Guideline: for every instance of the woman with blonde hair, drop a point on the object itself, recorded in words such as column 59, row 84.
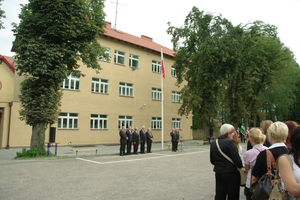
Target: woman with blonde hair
column 256, row 138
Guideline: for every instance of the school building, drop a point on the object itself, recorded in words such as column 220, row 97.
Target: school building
column 126, row 92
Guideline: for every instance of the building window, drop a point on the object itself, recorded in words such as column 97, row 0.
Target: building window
column 126, row 89
column 71, row 83
column 119, row 57
column 133, row 61
column 125, row 121
column 156, row 94
column 156, row 67
column 98, row 121
column 106, row 53
column 156, row 123
column 176, row 123
column 67, row 121
column 173, row 71
column 176, row 97
column 100, row 85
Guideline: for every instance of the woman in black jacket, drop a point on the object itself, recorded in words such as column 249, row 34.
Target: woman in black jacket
column 226, row 173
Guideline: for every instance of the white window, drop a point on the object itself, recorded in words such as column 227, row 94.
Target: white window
column 176, row 97
column 119, row 57
column 98, row 121
column 156, row 123
column 107, row 53
column 176, row 123
column 133, row 61
column 156, row 94
column 100, row 85
column 67, row 121
column 156, row 67
column 126, row 89
column 71, row 82
column 125, row 121
column 173, row 72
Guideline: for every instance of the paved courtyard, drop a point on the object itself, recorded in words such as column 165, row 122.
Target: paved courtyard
column 163, row 174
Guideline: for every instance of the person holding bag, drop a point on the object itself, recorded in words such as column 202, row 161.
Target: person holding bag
column 226, row 173
column 290, row 175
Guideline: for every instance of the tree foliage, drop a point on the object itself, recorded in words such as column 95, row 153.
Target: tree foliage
column 2, row 15
column 52, row 37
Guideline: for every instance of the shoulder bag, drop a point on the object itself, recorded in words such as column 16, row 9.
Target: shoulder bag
column 241, row 170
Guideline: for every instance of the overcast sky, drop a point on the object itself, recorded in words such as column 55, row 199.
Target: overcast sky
column 150, row 18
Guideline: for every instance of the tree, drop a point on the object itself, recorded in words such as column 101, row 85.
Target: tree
column 53, row 35
column 1, row 16
column 197, row 64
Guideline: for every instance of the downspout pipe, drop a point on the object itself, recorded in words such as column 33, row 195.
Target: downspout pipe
column 8, row 135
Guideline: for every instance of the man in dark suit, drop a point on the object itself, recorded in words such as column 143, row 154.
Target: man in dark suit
column 173, row 139
column 177, row 138
column 149, row 137
column 143, row 139
column 129, row 141
column 136, row 140
column 123, row 139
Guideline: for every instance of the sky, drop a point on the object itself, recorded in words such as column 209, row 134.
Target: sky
column 150, row 18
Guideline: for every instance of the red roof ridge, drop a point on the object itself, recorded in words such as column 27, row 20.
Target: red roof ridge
column 10, row 64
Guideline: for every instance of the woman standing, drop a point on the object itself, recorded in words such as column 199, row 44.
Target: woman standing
column 291, row 176
column 256, row 138
column 226, row 174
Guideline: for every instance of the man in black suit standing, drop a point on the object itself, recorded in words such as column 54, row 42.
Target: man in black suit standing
column 143, row 139
column 177, row 138
column 129, row 141
column 173, row 140
column 149, row 140
column 123, row 139
column 136, row 140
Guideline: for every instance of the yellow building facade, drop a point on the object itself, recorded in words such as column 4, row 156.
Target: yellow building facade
column 128, row 91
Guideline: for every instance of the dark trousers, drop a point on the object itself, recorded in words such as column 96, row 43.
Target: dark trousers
column 227, row 186
column 149, row 144
column 122, row 148
column 135, row 148
column 143, row 147
column 242, row 138
column 129, row 144
column 173, row 145
column 247, row 193
column 176, row 145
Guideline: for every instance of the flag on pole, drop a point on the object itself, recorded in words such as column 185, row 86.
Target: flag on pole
column 243, row 129
column 162, row 64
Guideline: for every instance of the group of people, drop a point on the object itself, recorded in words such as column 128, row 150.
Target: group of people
column 278, row 137
column 174, row 139
column 132, row 139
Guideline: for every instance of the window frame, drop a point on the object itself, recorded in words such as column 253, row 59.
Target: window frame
column 126, row 90
column 131, row 59
column 102, row 85
column 117, row 55
column 156, row 92
column 98, row 119
column 69, row 81
column 107, row 51
column 156, row 66
column 176, row 122
column 67, row 117
column 176, row 97
column 173, row 72
column 127, row 120
column 156, row 123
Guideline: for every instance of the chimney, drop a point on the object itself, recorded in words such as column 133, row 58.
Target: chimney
column 146, row 38
column 108, row 25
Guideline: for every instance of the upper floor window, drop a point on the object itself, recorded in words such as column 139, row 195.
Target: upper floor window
column 107, row 53
column 173, row 71
column 98, row 121
column 176, row 123
column 67, row 121
column 100, row 85
column 133, row 61
column 125, row 121
column 119, row 57
column 126, row 89
column 156, row 66
column 71, row 82
column 176, row 97
column 156, row 94
column 156, row 123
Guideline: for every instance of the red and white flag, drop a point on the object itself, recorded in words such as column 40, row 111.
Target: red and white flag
column 162, row 65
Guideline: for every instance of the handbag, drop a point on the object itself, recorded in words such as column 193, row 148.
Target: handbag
column 263, row 187
column 241, row 170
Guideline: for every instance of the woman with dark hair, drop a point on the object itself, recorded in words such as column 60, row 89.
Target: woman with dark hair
column 291, row 125
column 226, row 174
column 291, row 175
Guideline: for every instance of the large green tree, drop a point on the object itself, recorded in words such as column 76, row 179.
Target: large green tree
column 52, row 36
column 1, row 16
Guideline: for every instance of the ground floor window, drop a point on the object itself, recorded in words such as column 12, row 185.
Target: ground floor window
column 125, row 121
column 68, row 121
column 156, row 123
column 98, row 121
column 176, row 123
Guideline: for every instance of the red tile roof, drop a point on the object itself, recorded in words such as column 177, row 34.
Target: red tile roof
column 143, row 41
column 9, row 61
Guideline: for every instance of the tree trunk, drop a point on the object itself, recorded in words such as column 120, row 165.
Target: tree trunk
column 206, row 129
column 38, row 136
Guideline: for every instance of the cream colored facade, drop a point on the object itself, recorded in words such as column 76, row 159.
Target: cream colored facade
column 140, row 107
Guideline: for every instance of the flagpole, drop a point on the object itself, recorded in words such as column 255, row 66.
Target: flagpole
column 162, row 101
